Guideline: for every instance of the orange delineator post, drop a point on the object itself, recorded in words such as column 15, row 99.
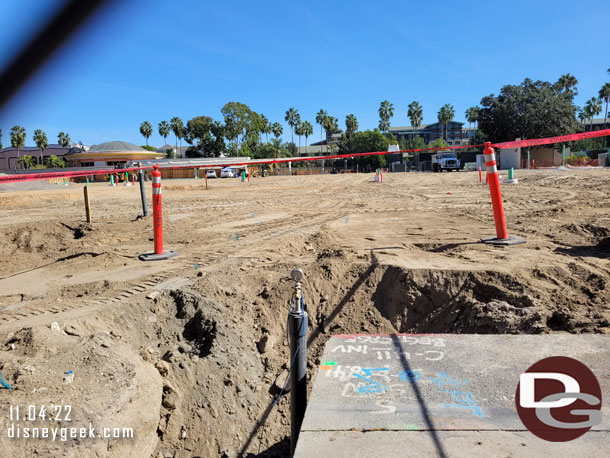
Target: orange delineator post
column 480, row 175
column 157, row 210
column 494, row 190
column 158, row 254
column 502, row 237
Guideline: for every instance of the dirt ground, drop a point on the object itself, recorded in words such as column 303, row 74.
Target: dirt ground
column 191, row 352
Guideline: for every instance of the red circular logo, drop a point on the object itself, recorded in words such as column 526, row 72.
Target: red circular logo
column 559, row 399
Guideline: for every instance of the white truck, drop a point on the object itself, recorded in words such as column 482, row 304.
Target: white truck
column 445, row 161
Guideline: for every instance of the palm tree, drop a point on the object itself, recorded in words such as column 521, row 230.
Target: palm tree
column 583, row 115
column 292, row 117
column 0, row 138
column 178, row 129
column 567, row 82
column 416, row 114
column 63, row 139
column 40, row 138
column 17, row 138
column 351, row 125
column 472, row 115
column 593, row 107
column 265, row 126
column 298, row 130
column 331, row 124
column 164, row 130
column 386, row 111
column 445, row 116
column 307, row 130
column 604, row 95
column 320, row 117
column 146, row 130
column 277, row 129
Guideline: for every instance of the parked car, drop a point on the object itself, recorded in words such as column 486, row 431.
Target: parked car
column 227, row 173
column 211, row 174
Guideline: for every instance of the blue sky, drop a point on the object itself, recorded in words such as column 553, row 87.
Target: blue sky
column 152, row 60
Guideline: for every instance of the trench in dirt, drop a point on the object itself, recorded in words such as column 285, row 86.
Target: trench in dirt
column 241, row 335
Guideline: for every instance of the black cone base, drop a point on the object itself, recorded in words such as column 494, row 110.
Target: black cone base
column 158, row 257
column 511, row 240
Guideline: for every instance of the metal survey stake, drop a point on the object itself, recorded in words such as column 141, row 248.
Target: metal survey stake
column 297, row 330
column 143, row 192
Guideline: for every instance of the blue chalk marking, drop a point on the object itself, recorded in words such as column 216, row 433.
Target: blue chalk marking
column 464, row 400
column 252, row 214
column 373, row 387
column 346, row 219
column 4, row 382
column 410, row 376
column 195, row 266
column 236, row 236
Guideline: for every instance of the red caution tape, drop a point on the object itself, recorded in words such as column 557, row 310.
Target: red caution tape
column 549, row 140
column 72, row 174
column 515, row 144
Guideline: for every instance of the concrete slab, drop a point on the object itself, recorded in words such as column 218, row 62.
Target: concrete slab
column 439, row 395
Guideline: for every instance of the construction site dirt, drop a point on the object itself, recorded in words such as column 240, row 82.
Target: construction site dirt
column 190, row 353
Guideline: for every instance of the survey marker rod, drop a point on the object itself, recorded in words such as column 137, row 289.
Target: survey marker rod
column 87, row 206
column 297, row 330
column 143, row 192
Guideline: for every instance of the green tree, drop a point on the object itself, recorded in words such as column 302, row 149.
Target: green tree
column 604, row 95
column 386, row 111
column 568, row 84
column 593, row 107
column 445, row 116
column 40, row 138
column 307, row 130
column 53, row 162
column 472, row 114
column 178, row 129
column 416, row 114
column 351, row 125
column 26, row 162
column 292, row 118
column 367, row 141
column 438, row 143
column 63, row 138
column 240, row 122
column 146, row 130
column 17, row 138
column 164, row 130
column 529, row 110
column 277, row 130
column 415, row 143
column 320, row 117
column 198, row 129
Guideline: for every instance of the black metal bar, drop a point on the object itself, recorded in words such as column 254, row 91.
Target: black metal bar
column 56, row 32
column 143, row 193
column 297, row 328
